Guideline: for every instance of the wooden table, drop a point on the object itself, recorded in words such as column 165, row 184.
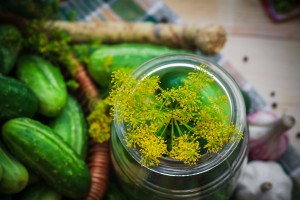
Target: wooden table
column 267, row 54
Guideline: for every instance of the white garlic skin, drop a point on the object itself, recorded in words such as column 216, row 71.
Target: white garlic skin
column 263, row 180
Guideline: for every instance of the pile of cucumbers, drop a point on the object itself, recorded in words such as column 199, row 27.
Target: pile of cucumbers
column 43, row 139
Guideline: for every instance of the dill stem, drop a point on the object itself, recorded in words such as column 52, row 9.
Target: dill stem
column 178, row 128
column 164, row 130
column 172, row 131
column 162, row 105
column 187, row 126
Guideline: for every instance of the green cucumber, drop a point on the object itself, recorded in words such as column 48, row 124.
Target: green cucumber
column 114, row 192
column 1, row 172
column 33, row 178
column 10, row 45
column 176, row 78
column 70, row 125
column 41, row 191
column 173, row 79
column 43, row 151
column 5, row 196
column 46, row 81
column 16, row 99
column 109, row 58
column 15, row 174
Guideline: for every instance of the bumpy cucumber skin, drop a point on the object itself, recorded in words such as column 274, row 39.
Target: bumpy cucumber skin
column 15, row 175
column 46, row 81
column 10, row 45
column 128, row 56
column 43, row 151
column 41, row 191
column 16, row 99
column 70, row 125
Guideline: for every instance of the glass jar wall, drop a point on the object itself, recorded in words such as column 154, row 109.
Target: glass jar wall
column 214, row 176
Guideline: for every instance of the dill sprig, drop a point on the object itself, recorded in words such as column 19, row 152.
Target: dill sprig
column 53, row 44
column 180, row 123
column 99, row 122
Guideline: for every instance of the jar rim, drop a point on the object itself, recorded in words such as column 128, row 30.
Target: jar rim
column 232, row 92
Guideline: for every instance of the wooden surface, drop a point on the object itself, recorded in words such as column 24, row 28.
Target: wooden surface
column 272, row 49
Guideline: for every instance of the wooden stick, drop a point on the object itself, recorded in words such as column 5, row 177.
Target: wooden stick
column 209, row 39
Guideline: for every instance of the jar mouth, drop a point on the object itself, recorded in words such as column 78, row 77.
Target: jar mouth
column 232, row 91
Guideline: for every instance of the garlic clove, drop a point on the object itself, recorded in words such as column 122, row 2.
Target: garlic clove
column 262, row 118
column 263, row 180
column 269, row 141
column 266, row 186
column 270, row 149
column 257, row 132
column 260, row 123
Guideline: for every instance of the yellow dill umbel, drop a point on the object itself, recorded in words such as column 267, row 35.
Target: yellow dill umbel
column 181, row 123
column 99, row 122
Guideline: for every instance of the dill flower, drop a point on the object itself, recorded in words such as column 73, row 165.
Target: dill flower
column 99, row 122
column 185, row 148
column 181, row 122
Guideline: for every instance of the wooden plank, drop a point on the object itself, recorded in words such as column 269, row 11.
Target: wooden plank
column 238, row 17
column 272, row 49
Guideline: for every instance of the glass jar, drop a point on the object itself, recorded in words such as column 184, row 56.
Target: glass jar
column 214, row 177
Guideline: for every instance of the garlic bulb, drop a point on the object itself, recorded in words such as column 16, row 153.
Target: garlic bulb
column 263, row 180
column 260, row 123
column 268, row 138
